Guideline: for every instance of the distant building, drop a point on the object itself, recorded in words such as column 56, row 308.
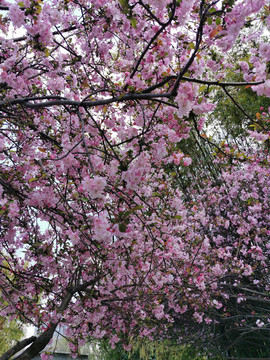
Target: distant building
column 59, row 348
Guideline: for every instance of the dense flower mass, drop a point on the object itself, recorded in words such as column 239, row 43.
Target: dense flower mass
column 97, row 231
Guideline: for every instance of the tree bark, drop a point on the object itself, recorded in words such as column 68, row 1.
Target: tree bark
column 19, row 346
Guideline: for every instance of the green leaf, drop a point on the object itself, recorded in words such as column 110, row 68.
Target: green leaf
column 133, row 22
column 38, row 9
column 47, row 52
column 209, row 21
column 122, row 227
column 125, row 5
column 202, row 88
column 218, row 20
column 138, row 207
column 125, row 214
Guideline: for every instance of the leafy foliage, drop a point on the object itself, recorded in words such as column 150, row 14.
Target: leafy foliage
column 10, row 332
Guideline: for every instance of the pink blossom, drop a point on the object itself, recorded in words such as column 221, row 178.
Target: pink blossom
column 217, row 270
column 102, row 227
column 259, row 323
column 187, row 161
column 208, row 320
column 263, row 89
column 184, row 99
column 13, row 209
column 45, row 356
column 240, row 231
column 248, row 270
column 217, row 304
column 259, row 135
column 203, row 108
column 198, row 317
column 240, row 299
column 16, row 15
column 98, row 333
column 158, row 311
column 127, row 347
column 73, row 236
column 244, row 66
column 94, row 186
column 113, row 340
column 177, row 158
column 265, row 51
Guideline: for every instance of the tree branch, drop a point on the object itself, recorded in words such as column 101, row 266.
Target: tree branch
column 25, row 101
column 163, row 27
column 199, row 81
column 16, row 348
column 237, row 105
column 144, row 95
column 199, row 36
column 11, row 190
column 39, row 343
column 22, row 38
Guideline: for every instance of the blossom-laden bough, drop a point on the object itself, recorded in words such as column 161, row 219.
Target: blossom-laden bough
column 97, row 235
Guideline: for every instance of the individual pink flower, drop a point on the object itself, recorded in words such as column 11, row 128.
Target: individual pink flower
column 240, row 231
column 264, row 51
column 177, row 158
column 13, row 209
column 101, row 227
column 244, row 66
column 158, row 311
column 127, row 347
column 73, row 236
column 98, row 333
column 198, row 317
column 259, row 323
column 203, row 108
column 217, row 304
column 45, row 356
column 187, row 161
column 217, row 271
column 184, row 99
column 248, row 270
column 16, row 15
column 95, row 186
column 262, row 89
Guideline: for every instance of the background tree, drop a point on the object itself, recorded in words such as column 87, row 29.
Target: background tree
column 9, row 334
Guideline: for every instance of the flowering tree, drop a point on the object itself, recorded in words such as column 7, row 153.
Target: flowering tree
column 96, row 233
